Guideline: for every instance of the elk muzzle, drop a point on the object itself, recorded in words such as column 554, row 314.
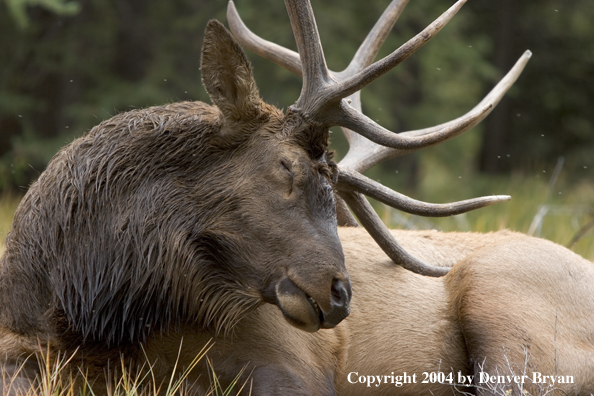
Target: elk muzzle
column 304, row 312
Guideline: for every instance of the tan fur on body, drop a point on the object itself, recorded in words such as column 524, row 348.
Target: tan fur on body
column 509, row 295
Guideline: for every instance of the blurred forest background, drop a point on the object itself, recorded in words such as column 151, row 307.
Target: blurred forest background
column 66, row 65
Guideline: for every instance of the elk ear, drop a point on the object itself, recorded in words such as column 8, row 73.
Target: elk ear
column 227, row 75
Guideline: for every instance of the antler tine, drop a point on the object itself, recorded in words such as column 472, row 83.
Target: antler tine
column 364, row 56
column 290, row 59
column 382, row 236
column 365, row 126
column 354, row 181
column 376, row 37
column 357, row 82
column 364, row 155
column 352, row 118
column 280, row 55
column 315, row 72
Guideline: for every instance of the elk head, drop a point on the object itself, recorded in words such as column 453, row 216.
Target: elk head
column 333, row 99
column 283, row 173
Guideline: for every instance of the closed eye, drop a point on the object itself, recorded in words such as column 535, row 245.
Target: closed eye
column 289, row 168
column 287, row 165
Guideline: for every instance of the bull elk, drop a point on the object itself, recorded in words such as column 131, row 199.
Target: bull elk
column 152, row 231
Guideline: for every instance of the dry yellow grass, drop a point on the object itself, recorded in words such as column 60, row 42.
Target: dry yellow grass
column 57, row 378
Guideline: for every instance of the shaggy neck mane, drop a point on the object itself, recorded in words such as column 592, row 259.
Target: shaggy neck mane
column 116, row 233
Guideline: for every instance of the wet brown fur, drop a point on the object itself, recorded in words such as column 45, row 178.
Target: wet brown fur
column 169, row 218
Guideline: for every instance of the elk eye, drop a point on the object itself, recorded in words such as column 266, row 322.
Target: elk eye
column 289, row 168
column 287, row 165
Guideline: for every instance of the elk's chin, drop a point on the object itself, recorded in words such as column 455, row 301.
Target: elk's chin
column 299, row 309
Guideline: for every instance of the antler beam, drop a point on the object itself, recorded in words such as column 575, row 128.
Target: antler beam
column 316, row 76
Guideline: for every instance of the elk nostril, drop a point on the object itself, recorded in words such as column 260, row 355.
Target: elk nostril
column 341, row 295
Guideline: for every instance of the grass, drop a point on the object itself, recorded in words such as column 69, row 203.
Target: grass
column 541, row 205
column 57, row 378
column 570, row 225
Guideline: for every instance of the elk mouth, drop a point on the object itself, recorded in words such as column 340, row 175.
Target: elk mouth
column 316, row 309
column 304, row 312
column 298, row 308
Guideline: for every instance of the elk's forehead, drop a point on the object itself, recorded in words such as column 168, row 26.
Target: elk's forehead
column 277, row 147
column 292, row 151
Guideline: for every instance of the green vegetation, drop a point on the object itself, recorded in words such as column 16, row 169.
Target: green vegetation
column 563, row 214
column 8, row 204
column 18, row 9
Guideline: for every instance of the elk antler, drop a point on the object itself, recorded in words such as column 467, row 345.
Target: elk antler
column 333, row 98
